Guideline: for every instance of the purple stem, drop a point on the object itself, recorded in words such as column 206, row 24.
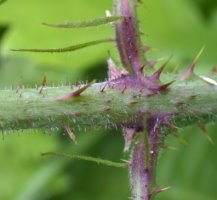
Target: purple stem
column 140, row 176
column 142, row 171
column 128, row 37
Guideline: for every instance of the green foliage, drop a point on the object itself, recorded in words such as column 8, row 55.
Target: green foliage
column 52, row 180
column 172, row 35
column 2, row 1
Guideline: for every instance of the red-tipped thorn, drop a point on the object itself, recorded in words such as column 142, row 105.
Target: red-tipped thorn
column 74, row 94
column 156, row 75
column 43, row 84
column 190, row 70
column 165, row 86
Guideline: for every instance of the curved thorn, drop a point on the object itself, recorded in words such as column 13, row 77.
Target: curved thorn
column 74, row 94
column 190, row 70
column 165, row 86
column 157, row 74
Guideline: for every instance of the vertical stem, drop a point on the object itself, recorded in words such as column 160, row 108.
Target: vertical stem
column 140, row 175
column 144, row 157
column 128, row 37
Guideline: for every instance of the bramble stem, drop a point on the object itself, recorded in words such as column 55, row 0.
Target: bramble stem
column 22, row 108
column 128, row 37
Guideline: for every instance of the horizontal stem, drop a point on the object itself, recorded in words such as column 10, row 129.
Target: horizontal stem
column 22, row 108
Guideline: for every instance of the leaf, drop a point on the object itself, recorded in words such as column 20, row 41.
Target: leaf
column 88, row 23
column 66, row 49
column 2, row 1
column 87, row 158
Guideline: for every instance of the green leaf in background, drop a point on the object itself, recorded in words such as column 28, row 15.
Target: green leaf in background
column 2, row 1
column 26, row 30
column 190, row 170
column 175, row 27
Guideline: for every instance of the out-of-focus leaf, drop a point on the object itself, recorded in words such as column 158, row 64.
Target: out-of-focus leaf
column 2, row 1
column 191, row 170
column 27, row 31
column 175, row 27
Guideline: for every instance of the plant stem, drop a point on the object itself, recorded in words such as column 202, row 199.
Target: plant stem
column 25, row 108
column 128, row 37
column 144, row 157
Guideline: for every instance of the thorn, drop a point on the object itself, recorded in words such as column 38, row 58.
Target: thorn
column 148, row 48
column 175, row 69
column 43, row 84
column 179, row 103
column 159, row 190
column 125, row 87
column 108, row 101
column 190, row 70
column 168, row 147
column 129, row 133
column 108, row 13
column 180, row 139
column 202, row 127
column 71, row 134
column 154, row 62
column 75, row 113
column 132, row 103
column 165, row 86
column 113, row 72
column 214, row 70
column 157, row 74
column 176, row 127
column 77, row 83
column 106, row 109
column 74, row 94
column 103, row 89
column 140, row 1
column 208, row 80
column 193, row 97
column 142, row 68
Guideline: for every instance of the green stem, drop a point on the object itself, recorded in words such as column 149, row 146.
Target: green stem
column 21, row 108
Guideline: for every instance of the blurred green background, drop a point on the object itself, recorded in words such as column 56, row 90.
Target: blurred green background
column 180, row 27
